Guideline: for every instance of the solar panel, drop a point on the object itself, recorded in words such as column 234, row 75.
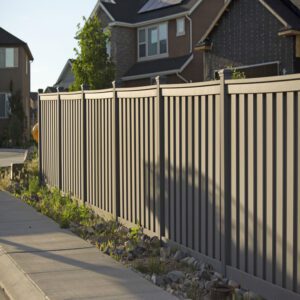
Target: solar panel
column 158, row 4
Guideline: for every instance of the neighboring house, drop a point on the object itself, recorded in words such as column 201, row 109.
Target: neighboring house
column 66, row 78
column 156, row 37
column 33, row 108
column 15, row 57
column 259, row 37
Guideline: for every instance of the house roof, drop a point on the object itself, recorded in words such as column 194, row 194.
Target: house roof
column 152, row 68
column 65, row 69
column 7, row 39
column 286, row 11
column 127, row 11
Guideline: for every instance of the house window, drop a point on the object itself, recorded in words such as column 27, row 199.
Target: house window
column 8, row 57
column 4, row 105
column 180, row 26
column 153, row 41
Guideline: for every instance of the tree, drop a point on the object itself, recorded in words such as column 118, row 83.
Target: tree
column 16, row 120
column 92, row 65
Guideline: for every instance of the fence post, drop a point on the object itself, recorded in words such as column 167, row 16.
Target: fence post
column 40, row 138
column 59, row 141
column 116, row 162
column 84, row 145
column 225, row 151
column 161, row 215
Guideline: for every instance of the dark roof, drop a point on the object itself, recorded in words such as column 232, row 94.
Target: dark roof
column 128, row 10
column 7, row 39
column 50, row 89
column 288, row 10
column 33, row 96
column 150, row 68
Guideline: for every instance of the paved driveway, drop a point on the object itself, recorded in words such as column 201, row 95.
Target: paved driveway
column 9, row 156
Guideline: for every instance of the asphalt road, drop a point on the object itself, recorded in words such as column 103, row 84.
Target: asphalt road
column 7, row 157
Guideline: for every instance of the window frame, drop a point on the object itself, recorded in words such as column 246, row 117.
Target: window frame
column 158, row 55
column 15, row 58
column 180, row 33
column 7, row 107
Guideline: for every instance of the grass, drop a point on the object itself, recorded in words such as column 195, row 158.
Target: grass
column 151, row 265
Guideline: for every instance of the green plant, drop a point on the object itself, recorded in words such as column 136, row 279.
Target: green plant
column 16, row 120
column 34, row 185
column 236, row 74
column 152, row 265
column 135, row 233
column 92, row 65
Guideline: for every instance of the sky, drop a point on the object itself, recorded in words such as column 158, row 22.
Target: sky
column 48, row 27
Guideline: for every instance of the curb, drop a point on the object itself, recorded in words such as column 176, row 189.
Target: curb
column 15, row 282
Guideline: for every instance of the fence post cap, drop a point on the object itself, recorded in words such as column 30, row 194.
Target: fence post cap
column 157, row 79
column 226, row 73
column 113, row 84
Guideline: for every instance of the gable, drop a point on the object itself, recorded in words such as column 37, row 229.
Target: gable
column 247, row 34
column 286, row 12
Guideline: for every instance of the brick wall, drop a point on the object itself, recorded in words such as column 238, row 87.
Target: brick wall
column 248, row 34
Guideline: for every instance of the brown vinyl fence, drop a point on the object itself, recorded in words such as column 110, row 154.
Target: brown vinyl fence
column 212, row 167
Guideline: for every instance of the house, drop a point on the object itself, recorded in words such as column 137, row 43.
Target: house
column 257, row 37
column 156, row 37
column 15, row 57
column 66, row 78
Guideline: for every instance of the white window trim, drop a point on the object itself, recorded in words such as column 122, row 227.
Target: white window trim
column 7, row 108
column 152, row 57
column 178, row 33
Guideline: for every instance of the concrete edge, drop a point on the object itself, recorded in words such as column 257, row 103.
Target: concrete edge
column 13, row 150
column 15, row 282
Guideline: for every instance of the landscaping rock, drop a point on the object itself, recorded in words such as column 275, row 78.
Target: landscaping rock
column 130, row 256
column 204, row 275
column 155, row 242
column 138, row 251
column 179, row 255
column 233, row 284
column 218, row 276
column 165, row 253
column 100, row 227
column 90, row 230
column 123, row 229
column 210, row 284
column 157, row 280
column 175, row 276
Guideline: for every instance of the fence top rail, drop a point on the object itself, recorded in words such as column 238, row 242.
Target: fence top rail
column 190, row 85
column 87, row 92
column 48, row 97
column 264, row 79
column 140, row 88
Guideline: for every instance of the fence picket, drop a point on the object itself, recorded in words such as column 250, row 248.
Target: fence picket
column 211, row 166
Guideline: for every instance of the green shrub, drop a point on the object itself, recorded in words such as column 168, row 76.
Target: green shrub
column 34, row 185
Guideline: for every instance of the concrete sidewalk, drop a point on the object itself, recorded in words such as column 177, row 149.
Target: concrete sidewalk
column 12, row 156
column 39, row 260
